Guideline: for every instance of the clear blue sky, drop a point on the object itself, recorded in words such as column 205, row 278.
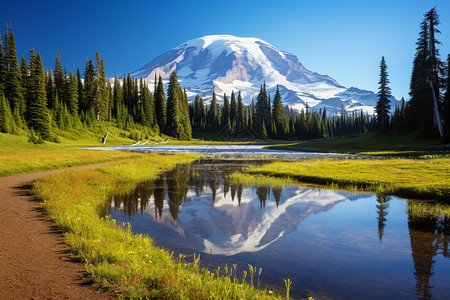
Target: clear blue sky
column 343, row 39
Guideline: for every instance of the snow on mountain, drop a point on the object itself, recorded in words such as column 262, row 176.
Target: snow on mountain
column 227, row 63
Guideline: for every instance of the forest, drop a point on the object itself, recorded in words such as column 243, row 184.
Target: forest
column 43, row 103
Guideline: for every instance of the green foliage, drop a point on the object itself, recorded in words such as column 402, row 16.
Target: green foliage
column 35, row 138
column 6, row 119
column 38, row 114
column 384, row 93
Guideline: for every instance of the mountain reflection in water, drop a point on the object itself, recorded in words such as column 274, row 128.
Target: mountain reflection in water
column 332, row 244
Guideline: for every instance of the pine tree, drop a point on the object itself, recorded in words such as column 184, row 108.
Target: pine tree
column 174, row 107
column 38, row 115
column 148, row 106
column 233, row 110
column 225, row 116
column 2, row 68
column 89, row 87
column 240, row 112
column 446, row 103
column 72, row 95
column 278, row 115
column 212, row 112
column 81, row 97
column 425, row 78
column 101, row 98
column 185, row 120
column 12, row 77
column 384, row 93
column 160, row 105
column 6, row 118
column 60, row 82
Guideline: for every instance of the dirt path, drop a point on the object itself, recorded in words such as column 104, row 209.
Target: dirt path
column 35, row 263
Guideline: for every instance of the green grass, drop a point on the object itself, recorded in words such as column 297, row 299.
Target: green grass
column 372, row 143
column 413, row 178
column 17, row 155
column 260, row 180
column 128, row 264
column 423, row 209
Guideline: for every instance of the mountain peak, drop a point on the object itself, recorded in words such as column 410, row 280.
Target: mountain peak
column 226, row 63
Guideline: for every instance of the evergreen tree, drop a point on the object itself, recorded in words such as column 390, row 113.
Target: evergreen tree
column 60, row 82
column 89, row 87
column 384, row 93
column 148, row 118
column 212, row 112
column 38, row 115
column 72, row 95
column 262, row 109
column 6, row 118
column 185, row 120
column 175, row 107
column 160, row 104
column 425, row 76
column 12, row 77
column 446, row 103
column 233, row 109
column 278, row 115
column 101, row 98
column 24, row 78
column 225, row 116
column 240, row 112
column 2, row 68
column 81, row 97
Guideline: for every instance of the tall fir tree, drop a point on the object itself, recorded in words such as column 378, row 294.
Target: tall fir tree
column 101, row 99
column 38, row 114
column 212, row 112
column 175, row 107
column 72, row 95
column 6, row 118
column 240, row 112
column 12, row 77
column 89, row 87
column 225, row 116
column 278, row 115
column 446, row 103
column 60, row 82
column 384, row 93
column 160, row 104
column 233, row 109
column 425, row 78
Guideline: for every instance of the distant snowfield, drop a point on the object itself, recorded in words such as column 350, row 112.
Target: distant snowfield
column 227, row 149
column 226, row 63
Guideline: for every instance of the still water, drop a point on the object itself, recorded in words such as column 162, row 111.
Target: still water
column 331, row 244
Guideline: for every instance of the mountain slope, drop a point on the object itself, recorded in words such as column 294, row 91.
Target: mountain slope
column 226, row 63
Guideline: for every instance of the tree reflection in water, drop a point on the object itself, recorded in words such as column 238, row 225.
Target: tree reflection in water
column 429, row 236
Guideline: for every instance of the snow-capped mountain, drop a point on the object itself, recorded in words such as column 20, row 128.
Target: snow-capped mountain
column 227, row 63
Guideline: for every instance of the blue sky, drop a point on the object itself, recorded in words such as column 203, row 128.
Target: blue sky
column 343, row 39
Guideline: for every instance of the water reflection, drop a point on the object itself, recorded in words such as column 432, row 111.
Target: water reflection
column 429, row 238
column 220, row 216
column 332, row 244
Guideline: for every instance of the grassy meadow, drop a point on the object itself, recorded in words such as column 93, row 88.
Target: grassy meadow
column 372, row 143
column 128, row 264
column 412, row 178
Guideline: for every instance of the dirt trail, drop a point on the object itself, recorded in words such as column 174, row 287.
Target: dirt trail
column 35, row 262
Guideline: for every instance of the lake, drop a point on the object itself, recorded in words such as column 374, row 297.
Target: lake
column 332, row 244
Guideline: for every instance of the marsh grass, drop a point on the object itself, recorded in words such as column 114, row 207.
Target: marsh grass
column 412, row 178
column 126, row 263
column 423, row 209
